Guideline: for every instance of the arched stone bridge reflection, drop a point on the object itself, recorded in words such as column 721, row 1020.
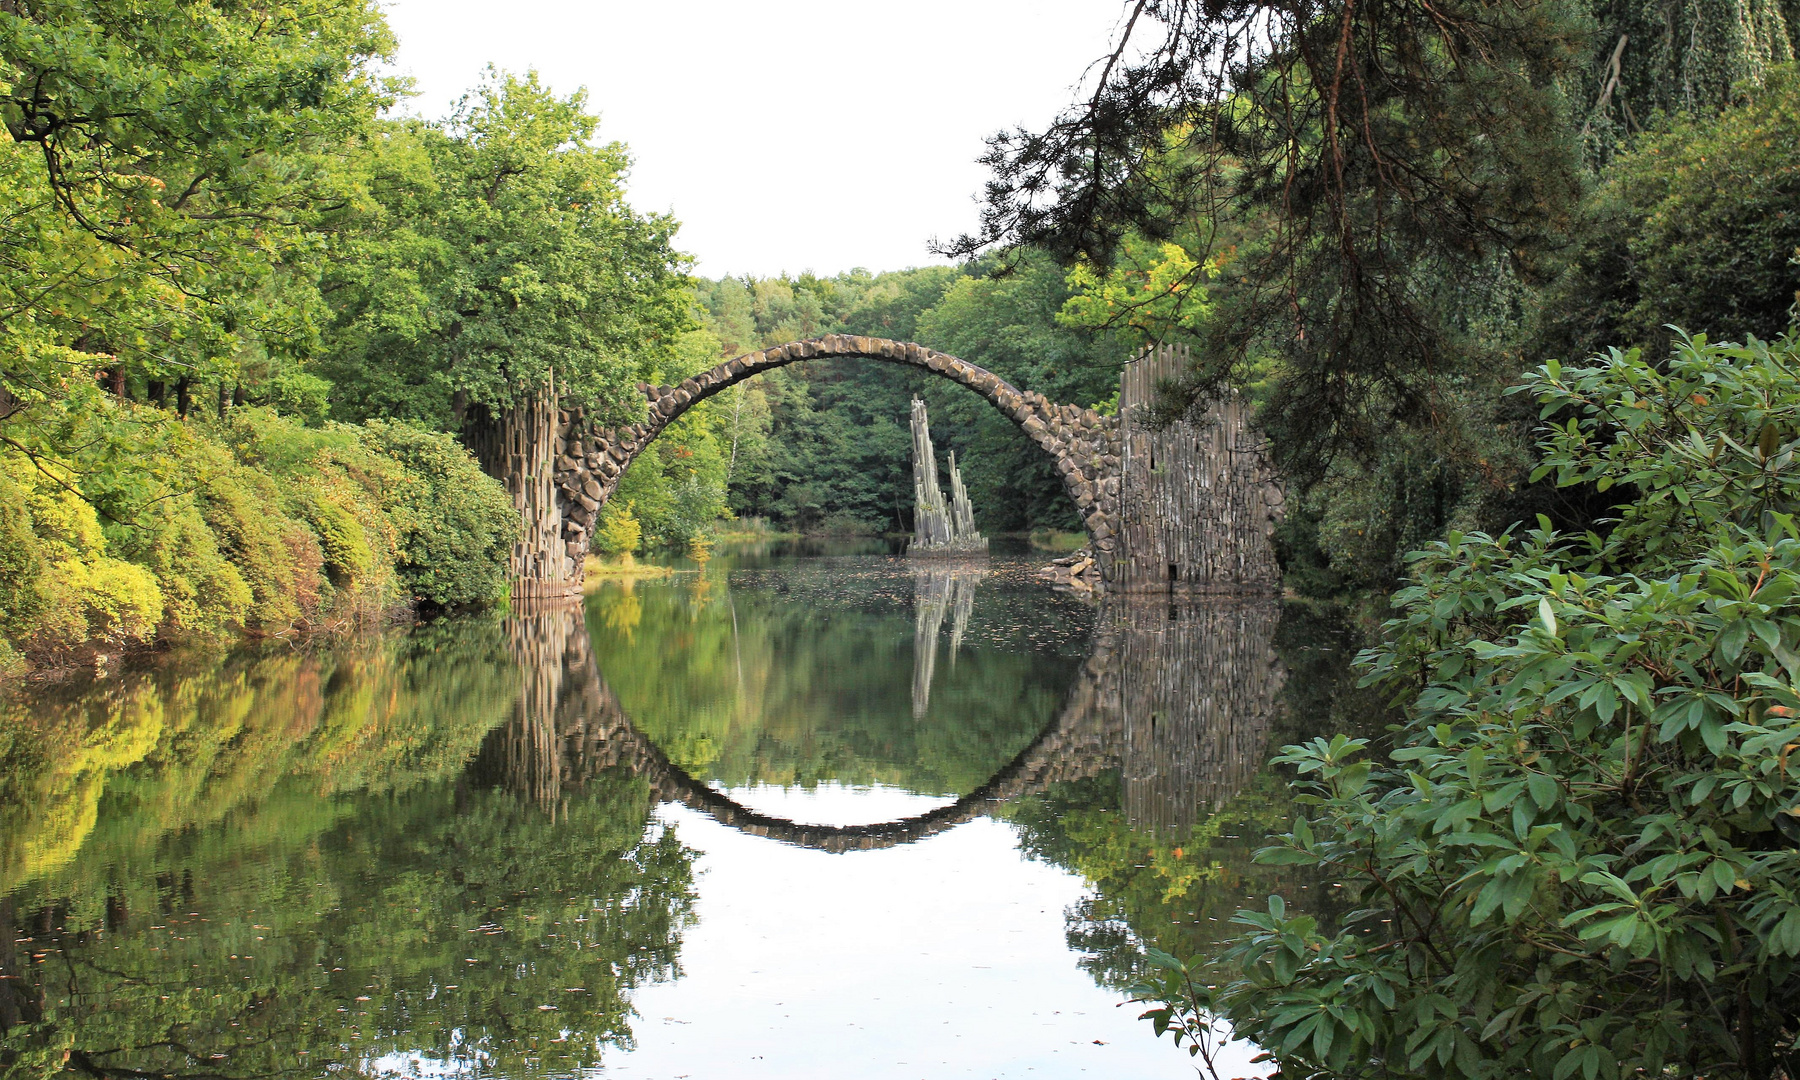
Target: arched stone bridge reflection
column 1180, row 699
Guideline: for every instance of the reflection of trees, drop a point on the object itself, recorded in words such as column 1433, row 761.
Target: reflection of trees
column 750, row 684
column 279, row 887
column 283, row 866
column 186, row 744
column 938, row 591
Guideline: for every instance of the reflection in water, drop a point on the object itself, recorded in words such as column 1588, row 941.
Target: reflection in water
column 279, row 870
column 556, row 737
column 570, row 724
column 801, row 673
column 187, row 745
column 1200, row 684
column 1165, row 840
column 938, row 591
column 1179, row 700
column 439, row 852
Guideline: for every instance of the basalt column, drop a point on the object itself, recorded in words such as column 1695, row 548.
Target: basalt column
column 940, row 527
column 1199, row 500
column 518, row 447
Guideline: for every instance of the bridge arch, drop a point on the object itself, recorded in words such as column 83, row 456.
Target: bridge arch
column 1080, row 741
column 1083, row 444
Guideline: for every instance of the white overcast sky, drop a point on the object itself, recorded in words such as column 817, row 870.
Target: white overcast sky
column 785, row 135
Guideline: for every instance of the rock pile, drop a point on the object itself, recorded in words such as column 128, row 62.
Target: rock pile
column 1078, row 571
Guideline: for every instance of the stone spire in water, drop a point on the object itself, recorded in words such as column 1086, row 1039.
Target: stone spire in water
column 938, row 528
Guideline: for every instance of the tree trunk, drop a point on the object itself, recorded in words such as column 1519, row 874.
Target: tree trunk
column 184, row 398
column 519, row 447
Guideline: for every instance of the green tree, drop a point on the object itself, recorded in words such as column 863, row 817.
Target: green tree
column 500, row 254
column 1388, row 164
column 505, row 280
column 1697, row 224
column 159, row 172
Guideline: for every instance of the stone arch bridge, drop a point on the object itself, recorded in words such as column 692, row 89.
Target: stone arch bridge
column 1084, row 445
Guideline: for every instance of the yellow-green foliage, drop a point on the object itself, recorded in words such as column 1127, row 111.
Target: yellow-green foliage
column 348, row 560
column 79, row 593
column 453, row 526
column 202, row 591
column 257, row 524
column 210, row 736
column 329, row 478
column 278, row 557
column 619, row 532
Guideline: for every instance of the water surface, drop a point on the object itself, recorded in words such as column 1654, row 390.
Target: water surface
column 815, row 813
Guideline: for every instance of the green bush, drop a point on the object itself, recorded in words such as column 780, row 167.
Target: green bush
column 203, row 593
column 278, row 558
column 79, row 592
column 1583, row 855
column 1697, row 225
column 455, row 524
column 256, row 523
column 302, row 396
column 620, row 532
column 21, row 563
column 328, row 480
column 349, row 561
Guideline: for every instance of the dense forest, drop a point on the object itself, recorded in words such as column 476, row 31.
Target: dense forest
column 249, row 319
column 248, row 323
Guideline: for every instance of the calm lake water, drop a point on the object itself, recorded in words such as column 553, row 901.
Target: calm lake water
column 809, row 812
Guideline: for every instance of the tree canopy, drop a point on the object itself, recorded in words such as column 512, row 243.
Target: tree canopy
column 497, row 255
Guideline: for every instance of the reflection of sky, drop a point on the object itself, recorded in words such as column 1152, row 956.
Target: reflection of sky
column 940, row 958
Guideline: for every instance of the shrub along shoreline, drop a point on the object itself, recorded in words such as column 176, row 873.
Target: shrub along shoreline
column 250, row 525
column 1578, row 853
